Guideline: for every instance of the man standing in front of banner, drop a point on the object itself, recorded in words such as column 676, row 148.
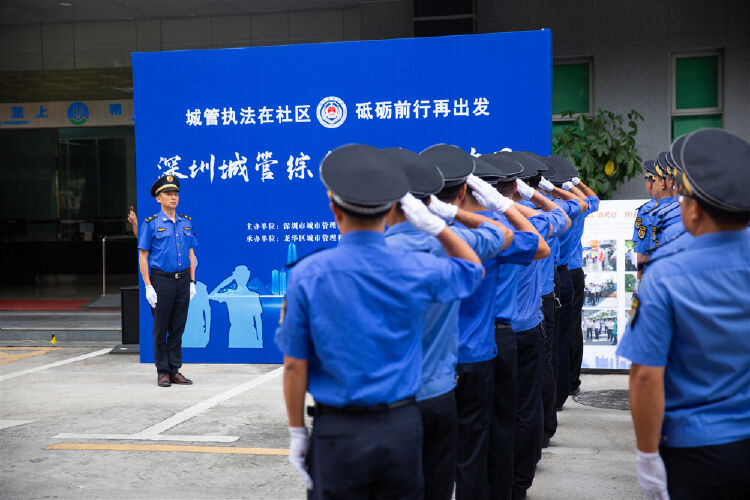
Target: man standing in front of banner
column 688, row 334
column 166, row 247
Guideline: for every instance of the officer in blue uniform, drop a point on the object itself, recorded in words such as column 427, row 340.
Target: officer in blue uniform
column 477, row 349
column 550, row 221
column 668, row 214
column 503, row 308
column 167, row 261
column 664, row 195
column 351, row 331
column 572, row 206
column 688, row 334
column 649, row 175
column 435, row 397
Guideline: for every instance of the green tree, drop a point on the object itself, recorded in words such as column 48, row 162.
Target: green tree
column 602, row 149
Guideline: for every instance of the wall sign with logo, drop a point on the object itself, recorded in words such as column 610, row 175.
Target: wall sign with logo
column 66, row 114
column 245, row 131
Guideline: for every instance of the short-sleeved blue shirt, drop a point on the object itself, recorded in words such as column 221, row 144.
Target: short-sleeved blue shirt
column 476, row 326
column 356, row 314
column 575, row 257
column 693, row 318
column 168, row 243
column 440, row 335
column 643, row 209
column 665, row 219
column 649, row 219
column 529, row 312
column 571, row 209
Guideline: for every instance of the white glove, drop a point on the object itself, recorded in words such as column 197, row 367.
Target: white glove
column 487, row 196
column 442, row 209
column 192, row 290
column 151, row 295
column 546, row 185
column 299, row 443
column 417, row 213
column 575, row 181
column 508, row 150
column 524, row 189
column 567, row 186
column 652, row 476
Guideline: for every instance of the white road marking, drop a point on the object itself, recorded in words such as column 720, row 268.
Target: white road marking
column 154, row 433
column 55, row 364
column 4, row 424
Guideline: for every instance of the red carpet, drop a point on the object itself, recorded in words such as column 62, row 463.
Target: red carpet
column 41, row 305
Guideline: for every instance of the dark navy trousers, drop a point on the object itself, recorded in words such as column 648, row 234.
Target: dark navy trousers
column 474, row 404
column 367, row 456
column 564, row 291
column 528, row 414
column 576, row 334
column 170, row 314
column 503, row 422
column 549, row 384
column 440, row 431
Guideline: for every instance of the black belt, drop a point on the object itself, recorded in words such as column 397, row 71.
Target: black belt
column 562, row 268
column 177, row 275
column 321, row 409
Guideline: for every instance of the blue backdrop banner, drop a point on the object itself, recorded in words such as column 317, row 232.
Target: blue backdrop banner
column 245, row 130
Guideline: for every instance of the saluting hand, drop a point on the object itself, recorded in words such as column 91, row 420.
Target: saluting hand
column 299, row 443
column 524, row 189
column 151, row 295
column 488, row 196
column 546, row 185
column 417, row 213
column 442, row 209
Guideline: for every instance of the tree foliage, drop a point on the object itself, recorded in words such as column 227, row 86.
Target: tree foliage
column 602, row 149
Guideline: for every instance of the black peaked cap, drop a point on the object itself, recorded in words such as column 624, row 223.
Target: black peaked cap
column 363, row 179
column 507, row 166
column 649, row 168
column 558, row 172
column 486, row 170
column 424, row 176
column 676, row 146
column 454, row 163
column 165, row 183
column 716, row 169
column 531, row 162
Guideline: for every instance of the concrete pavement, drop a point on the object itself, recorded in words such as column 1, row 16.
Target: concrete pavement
column 76, row 422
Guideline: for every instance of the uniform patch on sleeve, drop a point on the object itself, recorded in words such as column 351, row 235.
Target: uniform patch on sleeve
column 634, row 309
column 641, row 231
column 638, row 221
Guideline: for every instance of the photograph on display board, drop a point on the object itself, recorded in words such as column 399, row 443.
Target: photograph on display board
column 599, row 327
column 600, row 255
column 600, row 290
column 631, row 258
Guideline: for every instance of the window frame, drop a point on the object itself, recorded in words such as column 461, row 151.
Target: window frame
column 561, row 61
column 719, row 108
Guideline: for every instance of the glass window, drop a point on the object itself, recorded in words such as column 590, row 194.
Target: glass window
column 696, row 92
column 571, row 88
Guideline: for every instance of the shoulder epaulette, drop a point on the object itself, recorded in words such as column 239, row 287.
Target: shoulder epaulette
column 663, row 255
column 292, row 264
column 643, row 205
column 185, row 216
column 149, row 219
column 651, row 209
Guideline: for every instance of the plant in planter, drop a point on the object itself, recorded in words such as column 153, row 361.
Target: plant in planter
column 601, row 148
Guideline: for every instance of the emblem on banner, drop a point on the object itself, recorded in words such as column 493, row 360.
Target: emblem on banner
column 331, row 112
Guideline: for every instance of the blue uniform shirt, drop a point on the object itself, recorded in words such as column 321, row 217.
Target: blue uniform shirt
column 356, row 313
column 571, row 209
column 168, row 243
column 529, row 312
column 476, row 326
column 666, row 218
column 643, row 209
column 575, row 258
column 645, row 243
column 693, row 318
column 440, row 335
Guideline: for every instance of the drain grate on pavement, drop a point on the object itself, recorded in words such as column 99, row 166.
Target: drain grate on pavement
column 613, row 399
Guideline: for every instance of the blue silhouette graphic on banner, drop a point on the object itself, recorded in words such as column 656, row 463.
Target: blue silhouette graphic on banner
column 198, row 326
column 244, row 308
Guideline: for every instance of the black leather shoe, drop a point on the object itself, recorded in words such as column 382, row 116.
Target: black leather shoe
column 575, row 391
column 163, row 380
column 545, row 442
column 179, row 378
